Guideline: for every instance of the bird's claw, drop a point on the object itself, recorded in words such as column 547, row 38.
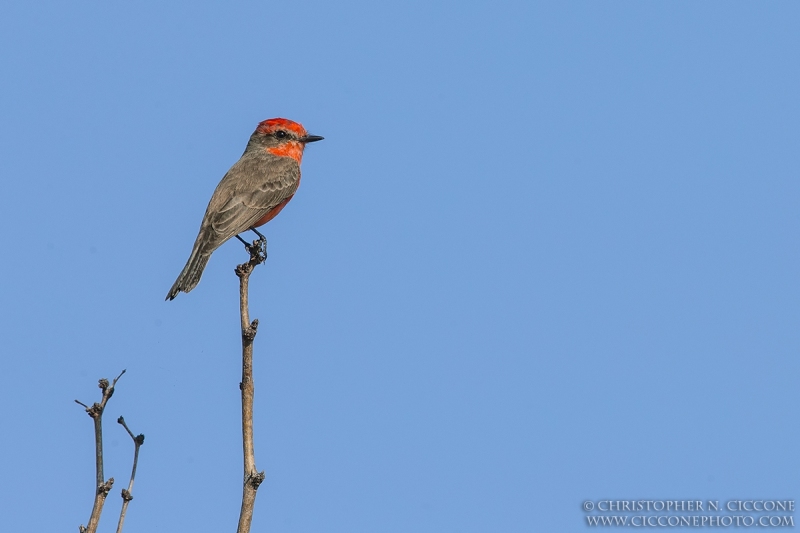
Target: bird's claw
column 259, row 248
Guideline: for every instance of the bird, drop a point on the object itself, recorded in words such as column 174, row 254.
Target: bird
column 255, row 189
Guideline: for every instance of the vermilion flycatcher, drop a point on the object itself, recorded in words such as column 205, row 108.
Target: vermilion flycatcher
column 252, row 193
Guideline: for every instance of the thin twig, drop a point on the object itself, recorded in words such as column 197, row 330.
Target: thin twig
column 252, row 478
column 138, row 440
column 103, row 487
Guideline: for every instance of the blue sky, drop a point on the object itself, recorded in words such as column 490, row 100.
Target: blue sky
column 546, row 253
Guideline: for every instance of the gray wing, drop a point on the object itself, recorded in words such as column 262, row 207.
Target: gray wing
column 252, row 187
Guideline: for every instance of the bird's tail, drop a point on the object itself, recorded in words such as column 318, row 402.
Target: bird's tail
column 190, row 275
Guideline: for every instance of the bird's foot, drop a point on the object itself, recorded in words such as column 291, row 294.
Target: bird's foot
column 257, row 250
column 261, row 245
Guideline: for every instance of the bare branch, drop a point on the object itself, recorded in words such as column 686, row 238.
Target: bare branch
column 95, row 411
column 252, row 478
column 138, row 440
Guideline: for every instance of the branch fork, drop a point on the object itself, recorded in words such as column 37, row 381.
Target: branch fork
column 95, row 411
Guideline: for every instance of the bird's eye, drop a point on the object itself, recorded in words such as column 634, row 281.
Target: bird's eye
column 280, row 134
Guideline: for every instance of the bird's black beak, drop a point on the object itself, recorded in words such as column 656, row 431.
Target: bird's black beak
column 311, row 139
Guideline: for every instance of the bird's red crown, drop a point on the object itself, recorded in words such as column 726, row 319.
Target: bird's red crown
column 271, row 125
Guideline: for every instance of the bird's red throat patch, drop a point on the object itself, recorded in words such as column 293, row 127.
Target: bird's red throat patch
column 293, row 149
